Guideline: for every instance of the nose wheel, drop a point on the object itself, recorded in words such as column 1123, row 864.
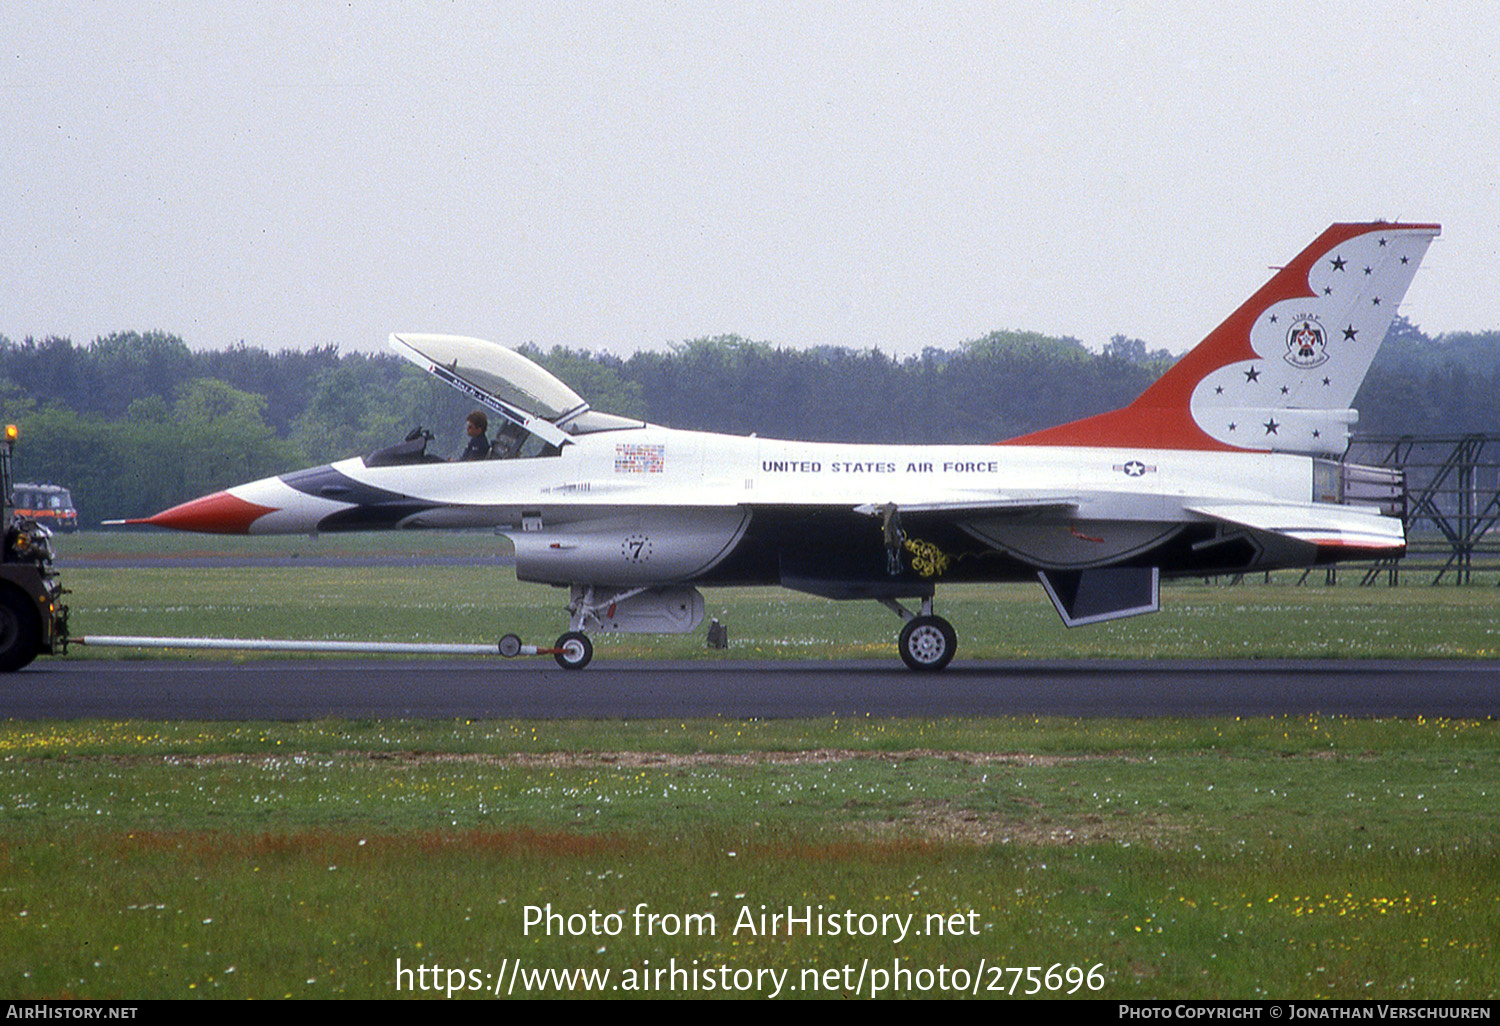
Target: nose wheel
column 573, row 650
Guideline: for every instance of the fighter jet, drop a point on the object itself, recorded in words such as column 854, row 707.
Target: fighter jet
column 1229, row 463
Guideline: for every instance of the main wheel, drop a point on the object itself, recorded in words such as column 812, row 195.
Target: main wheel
column 19, row 628
column 574, row 650
column 928, row 643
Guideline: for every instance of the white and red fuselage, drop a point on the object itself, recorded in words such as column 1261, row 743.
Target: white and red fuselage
column 1229, row 463
column 690, row 498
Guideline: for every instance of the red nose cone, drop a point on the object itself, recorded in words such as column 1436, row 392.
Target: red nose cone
column 219, row 513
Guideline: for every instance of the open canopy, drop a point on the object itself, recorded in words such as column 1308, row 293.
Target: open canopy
column 509, row 383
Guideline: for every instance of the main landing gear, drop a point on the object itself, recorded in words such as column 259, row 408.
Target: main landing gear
column 927, row 642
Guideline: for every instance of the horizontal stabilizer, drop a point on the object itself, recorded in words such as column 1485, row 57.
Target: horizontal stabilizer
column 1109, row 593
column 1321, row 524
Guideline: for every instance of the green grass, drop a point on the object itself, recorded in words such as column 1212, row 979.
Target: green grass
column 1281, row 857
column 1309, row 857
column 479, row 603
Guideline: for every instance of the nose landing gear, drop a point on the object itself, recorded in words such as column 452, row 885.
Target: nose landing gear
column 573, row 650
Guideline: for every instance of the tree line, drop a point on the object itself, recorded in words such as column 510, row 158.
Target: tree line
column 133, row 423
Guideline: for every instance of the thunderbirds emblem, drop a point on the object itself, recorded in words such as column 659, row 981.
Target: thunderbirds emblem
column 1306, row 344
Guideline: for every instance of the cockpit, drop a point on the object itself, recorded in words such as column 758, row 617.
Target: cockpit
column 533, row 414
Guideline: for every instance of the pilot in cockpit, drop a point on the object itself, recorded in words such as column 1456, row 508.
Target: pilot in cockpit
column 479, row 446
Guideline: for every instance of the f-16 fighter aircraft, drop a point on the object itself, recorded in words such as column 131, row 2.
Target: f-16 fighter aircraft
column 1227, row 464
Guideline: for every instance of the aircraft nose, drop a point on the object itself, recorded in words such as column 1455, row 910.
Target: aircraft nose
column 219, row 513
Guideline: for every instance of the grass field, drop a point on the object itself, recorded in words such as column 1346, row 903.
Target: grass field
column 1281, row 857
column 478, row 603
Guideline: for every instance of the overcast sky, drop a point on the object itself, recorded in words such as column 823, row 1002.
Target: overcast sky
column 626, row 175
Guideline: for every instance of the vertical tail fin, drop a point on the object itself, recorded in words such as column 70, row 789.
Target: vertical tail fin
column 1280, row 372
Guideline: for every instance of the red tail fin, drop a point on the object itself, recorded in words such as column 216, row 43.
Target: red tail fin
column 1280, row 372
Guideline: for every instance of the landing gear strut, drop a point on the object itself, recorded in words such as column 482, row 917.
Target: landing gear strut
column 927, row 642
column 648, row 609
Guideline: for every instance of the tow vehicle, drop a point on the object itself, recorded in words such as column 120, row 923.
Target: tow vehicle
column 33, row 619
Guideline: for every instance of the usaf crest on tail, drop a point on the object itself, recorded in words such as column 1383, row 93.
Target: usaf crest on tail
column 1306, row 344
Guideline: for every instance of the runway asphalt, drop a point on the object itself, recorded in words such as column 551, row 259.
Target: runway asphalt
column 538, row 689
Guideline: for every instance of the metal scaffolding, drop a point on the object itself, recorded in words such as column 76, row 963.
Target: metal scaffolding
column 1452, row 504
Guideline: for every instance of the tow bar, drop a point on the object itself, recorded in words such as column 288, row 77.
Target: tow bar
column 509, row 646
